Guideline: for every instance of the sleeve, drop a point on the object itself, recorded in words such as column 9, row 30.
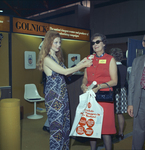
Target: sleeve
column 131, row 84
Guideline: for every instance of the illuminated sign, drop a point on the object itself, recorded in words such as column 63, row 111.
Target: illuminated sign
column 29, row 27
column 40, row 28
column 71, row 33
column 4, row 23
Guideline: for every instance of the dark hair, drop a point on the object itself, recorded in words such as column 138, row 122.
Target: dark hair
column 117, row 54
column 103, row 37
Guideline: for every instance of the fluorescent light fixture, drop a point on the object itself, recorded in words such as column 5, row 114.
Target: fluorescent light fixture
column 1, row 10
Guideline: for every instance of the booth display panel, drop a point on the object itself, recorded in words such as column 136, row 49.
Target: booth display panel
column 26, row 35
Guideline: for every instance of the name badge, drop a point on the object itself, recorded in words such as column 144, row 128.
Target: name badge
column 102, row 61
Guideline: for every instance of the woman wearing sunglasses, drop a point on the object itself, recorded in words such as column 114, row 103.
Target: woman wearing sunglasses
column 103, row 70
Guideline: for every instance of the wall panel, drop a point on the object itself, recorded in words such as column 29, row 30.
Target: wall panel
column 20, row 75
column 4, row 60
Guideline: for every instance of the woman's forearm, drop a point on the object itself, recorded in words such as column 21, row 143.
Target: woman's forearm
column 110, row 83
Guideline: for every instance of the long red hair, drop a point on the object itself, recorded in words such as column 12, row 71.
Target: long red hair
column 45, row 49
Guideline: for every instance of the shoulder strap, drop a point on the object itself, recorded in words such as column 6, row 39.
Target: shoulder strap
column 107, row 85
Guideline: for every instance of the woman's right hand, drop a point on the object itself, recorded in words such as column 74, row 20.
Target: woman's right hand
column 84, row 88
column 85, row 62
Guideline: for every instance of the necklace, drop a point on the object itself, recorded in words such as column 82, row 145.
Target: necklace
column 100, row 55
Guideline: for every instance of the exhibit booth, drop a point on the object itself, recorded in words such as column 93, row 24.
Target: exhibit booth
column 19, row 42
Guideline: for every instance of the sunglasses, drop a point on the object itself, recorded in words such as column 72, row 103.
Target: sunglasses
column 97, row 42
column 143, row 40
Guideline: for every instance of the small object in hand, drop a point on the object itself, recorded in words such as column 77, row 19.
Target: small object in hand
column 91, row 57
column 92, row 85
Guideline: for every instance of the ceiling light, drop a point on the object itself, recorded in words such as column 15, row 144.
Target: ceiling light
column 1, row 10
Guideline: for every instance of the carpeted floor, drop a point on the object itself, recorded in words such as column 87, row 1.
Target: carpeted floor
column 34, row 138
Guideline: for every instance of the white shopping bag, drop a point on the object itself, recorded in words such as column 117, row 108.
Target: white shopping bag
column 88, row 118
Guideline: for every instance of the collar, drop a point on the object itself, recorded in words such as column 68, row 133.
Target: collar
column 100, row 55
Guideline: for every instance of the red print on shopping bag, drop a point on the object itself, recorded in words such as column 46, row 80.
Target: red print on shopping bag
column 89, row 105
column 80, row 130
column 88, row 118
column 90, row 123
column 89, row 131
column 84, row 122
